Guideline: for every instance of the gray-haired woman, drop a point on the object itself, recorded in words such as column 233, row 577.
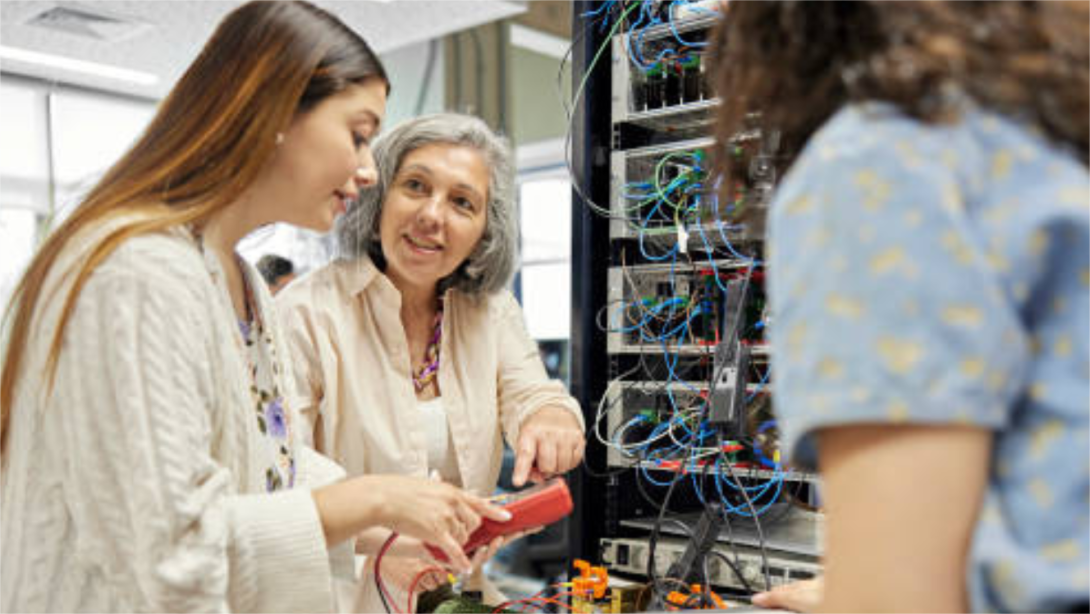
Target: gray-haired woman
column 411, row 355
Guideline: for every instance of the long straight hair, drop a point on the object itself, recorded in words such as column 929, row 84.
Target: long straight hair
column 213, row 134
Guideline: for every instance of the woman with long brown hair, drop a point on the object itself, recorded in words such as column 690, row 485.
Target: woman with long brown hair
column 928, row 268
column 149, row 460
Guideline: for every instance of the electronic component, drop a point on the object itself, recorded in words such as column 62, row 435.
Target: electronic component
column 702, row 541
column 631, row 412
column 797, row 532
column 728, row 396
column 651, row 57
column 782, row 567
column 692, row 75
column 731, row 364
column 589, row 587
column 633, row 598
column 656, row 308
column 536, row 506
column 656, row 189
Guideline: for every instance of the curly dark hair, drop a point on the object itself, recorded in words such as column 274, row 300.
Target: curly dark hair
column 797, row 63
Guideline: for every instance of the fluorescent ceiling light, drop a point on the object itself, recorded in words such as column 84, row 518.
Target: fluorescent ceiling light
column 538, row 41
column 81, row 66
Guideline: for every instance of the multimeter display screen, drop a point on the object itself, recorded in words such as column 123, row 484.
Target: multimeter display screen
column 510, row 497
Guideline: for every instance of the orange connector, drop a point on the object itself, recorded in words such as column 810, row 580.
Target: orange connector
column 680, row 599
column 591, row 579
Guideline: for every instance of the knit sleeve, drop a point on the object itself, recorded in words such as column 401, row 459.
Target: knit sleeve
column 523, row 385
column 315, row 471
column 305, row 389
column 155, row 511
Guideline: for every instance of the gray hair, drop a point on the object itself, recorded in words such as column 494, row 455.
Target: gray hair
column 491, row 265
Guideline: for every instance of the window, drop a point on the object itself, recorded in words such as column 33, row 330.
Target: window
column 91, row 131
column 80, row 133
column 546, row 256
column 24, row 158
column 24, row 177
column 19, row 229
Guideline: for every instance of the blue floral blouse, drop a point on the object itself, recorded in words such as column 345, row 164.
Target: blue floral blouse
column 269, row 411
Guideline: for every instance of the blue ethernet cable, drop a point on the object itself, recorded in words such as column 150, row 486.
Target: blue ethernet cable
column 760, row 384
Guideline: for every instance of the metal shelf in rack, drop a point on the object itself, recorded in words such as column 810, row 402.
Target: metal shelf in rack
column 789, row 475
column 678, row 118
column 760, row 352
column 679, row 386
column 656, row 150
column 681, row 26
column 696, row 143
column 674, row 268
column 699, row 238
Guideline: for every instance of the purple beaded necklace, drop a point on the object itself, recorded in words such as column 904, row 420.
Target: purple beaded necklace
column 428, row 371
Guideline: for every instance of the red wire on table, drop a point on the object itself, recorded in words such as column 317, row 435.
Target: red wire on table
column 378, row 574
column 416, row 580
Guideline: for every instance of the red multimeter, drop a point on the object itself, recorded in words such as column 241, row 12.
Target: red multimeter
column 533, row 507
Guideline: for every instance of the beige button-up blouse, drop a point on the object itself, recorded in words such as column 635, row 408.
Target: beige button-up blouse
column 354, row 383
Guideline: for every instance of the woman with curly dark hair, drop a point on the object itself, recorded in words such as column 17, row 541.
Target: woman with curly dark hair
column 929, row 264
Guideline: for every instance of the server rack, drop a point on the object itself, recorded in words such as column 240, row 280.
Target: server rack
column 636, row 131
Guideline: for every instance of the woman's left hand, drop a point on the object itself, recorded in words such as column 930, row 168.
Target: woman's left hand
column 550, row 442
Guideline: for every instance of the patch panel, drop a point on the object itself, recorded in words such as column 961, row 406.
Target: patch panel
column 631, row 555
column 662, row 66
column 666, row 308
column 663, row 195
column 654, row 402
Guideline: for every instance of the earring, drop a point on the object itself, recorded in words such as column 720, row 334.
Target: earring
column 279, row 138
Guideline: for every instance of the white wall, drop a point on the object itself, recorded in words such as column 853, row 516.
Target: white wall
column 406, row 67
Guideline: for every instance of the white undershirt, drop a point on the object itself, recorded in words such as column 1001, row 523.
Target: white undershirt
column 441, row 456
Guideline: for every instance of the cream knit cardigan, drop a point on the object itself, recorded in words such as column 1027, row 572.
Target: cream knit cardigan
column 137, row 485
